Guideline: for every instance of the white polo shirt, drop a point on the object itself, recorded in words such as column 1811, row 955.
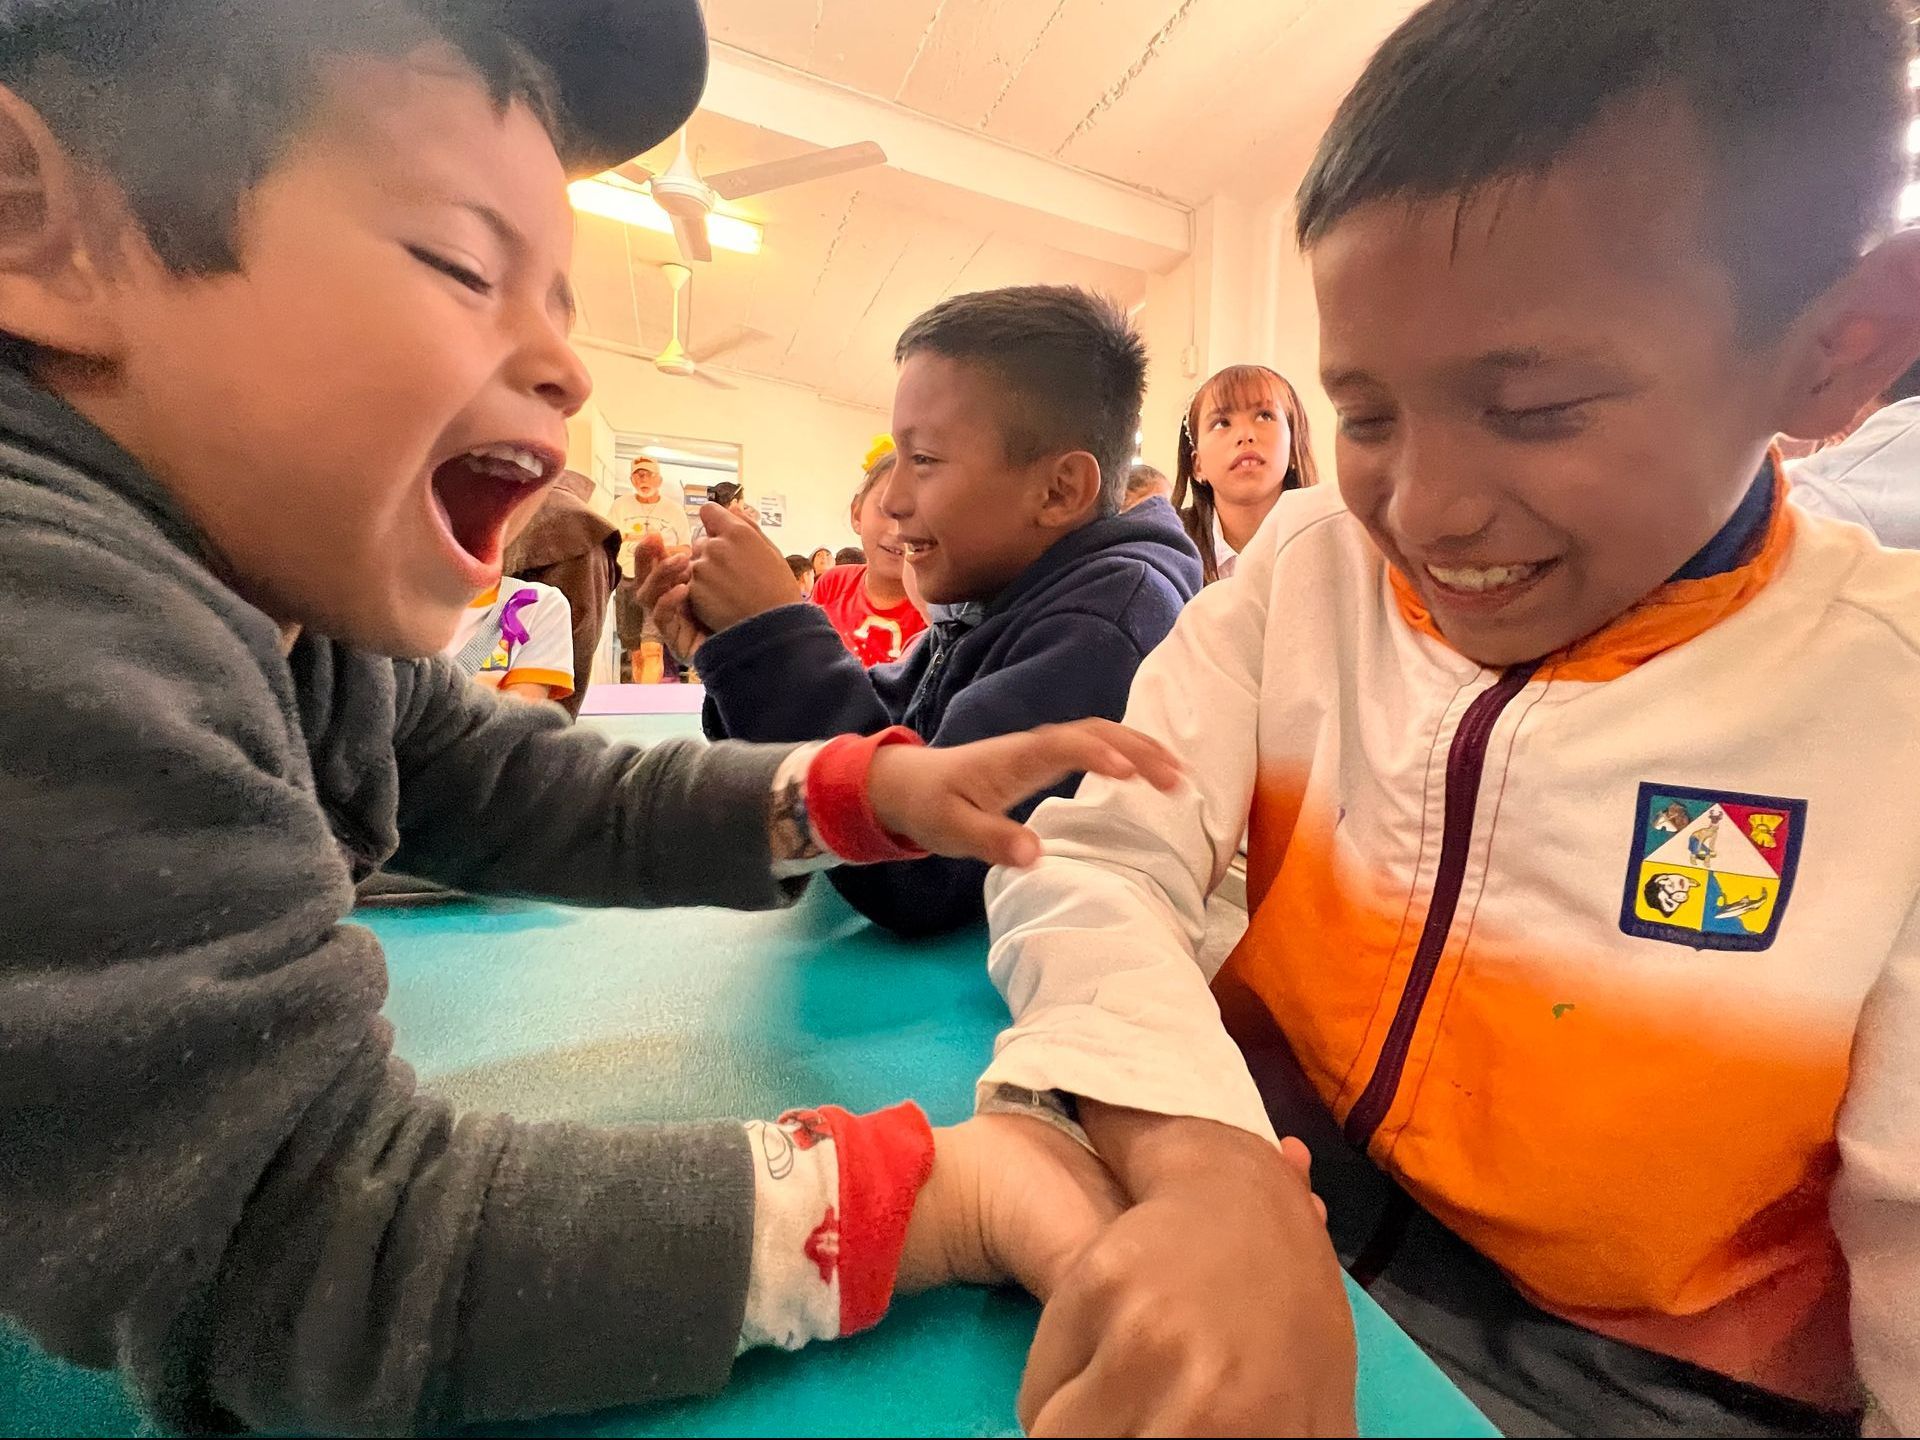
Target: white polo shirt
column 1226, row 559
column 518, row 633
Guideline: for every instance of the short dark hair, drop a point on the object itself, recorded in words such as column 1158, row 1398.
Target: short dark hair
column 850, row 555
column 1144, row 477
column 1073, row 366
column 726, row 492
column 187, row 104
column 1804, row 103
column 800, row 566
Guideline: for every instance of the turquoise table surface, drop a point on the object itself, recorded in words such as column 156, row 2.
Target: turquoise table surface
column 617, row 1016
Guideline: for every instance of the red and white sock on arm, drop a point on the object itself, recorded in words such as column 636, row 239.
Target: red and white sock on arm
column 832, row 1195
column 832, row 1192
column 821, row 813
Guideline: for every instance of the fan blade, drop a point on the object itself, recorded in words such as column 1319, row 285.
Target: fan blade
column 704, row 374
column 692, row 235
column 744, row 335
column 612, row 347
column 778, row 174
column 634, row 173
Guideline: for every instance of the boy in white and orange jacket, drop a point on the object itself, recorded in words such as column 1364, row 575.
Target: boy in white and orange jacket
column 1578, row 770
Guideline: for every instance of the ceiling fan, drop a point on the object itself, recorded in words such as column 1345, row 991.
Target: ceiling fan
column 689, row 198
column 676, row 359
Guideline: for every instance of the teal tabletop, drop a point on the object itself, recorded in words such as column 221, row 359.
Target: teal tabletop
column 616, row 1016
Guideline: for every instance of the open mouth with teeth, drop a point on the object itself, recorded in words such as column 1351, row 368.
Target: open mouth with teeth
column 477, row 493
column 1487, row 581
column 916, row 549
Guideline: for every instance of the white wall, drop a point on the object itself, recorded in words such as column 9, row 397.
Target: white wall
column 1168, row 325
column 590, row 452
column 793, row 442
column 1292, row 323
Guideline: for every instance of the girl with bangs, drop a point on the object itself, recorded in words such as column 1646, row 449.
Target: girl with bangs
column 1243, row 444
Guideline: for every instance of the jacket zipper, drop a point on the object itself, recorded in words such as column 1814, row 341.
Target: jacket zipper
column 923, row 693
column 1466, row 763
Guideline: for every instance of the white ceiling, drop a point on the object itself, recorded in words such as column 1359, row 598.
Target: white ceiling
column 1188, row 98
column 1183, row 98
column 847, row 263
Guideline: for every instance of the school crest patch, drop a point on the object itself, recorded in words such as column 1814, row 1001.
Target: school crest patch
column 1711, row 869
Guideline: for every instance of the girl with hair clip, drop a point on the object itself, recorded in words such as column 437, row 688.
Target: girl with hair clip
column 1237, row 431
column 869, row 603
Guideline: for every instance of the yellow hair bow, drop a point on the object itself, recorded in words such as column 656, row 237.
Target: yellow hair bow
column 878, row 451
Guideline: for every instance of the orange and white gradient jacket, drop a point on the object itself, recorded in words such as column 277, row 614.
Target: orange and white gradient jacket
column 1613, row 961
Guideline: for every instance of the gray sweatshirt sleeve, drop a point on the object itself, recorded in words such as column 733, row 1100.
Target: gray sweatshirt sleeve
column 214, row 1174
column 497, row 796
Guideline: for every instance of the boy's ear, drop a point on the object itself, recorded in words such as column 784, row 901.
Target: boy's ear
column 1864, row 333
column 1073, row 490
column 52, row 291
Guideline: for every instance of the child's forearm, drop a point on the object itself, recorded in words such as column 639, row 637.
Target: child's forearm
column 787, row 676
column 536, row 694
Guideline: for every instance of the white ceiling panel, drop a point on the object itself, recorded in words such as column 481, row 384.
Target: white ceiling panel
column 847, row 263
column 1185, row 99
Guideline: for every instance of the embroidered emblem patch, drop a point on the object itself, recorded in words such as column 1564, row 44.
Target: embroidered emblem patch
column 1711, row 869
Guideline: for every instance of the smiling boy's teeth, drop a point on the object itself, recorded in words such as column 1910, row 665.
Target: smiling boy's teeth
column 1481, row 578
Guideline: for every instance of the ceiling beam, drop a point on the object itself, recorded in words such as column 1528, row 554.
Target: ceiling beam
column 970, row 174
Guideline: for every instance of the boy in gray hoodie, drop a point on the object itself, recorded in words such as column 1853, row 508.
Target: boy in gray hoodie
column 283, row 350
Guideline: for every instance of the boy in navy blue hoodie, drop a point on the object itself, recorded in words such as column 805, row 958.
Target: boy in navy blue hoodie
column 1015, row 417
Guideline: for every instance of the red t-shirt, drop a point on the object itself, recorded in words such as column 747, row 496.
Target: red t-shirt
column 876, row 636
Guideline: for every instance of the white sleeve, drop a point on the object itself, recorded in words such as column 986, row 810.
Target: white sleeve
column 1095, row 948
column 1876, row 1204
column 1819, row 496
column 547, row 656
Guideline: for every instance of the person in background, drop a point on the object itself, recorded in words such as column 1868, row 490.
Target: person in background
column 1243, row 444
column 802, row 574
column 569, row 546
column 1585, row 862
column 731, row 496
column 647, row 509
column 1144, row 483
column 271, row 393
column 868, row 603
column 850, row 555
column 643, row 657
column 822, row 561
column 1015, row 413
column 516, row 636
column 1871, row 476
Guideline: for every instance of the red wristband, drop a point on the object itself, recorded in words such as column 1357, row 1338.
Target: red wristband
column 839, row 808
column 885, row 1159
